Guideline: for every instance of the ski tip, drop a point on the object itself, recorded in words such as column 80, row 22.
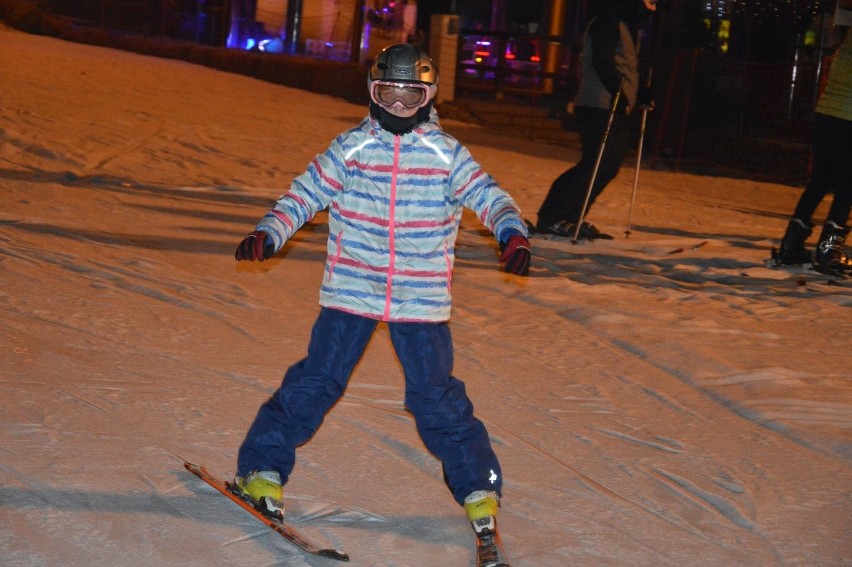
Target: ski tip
column 333, row 554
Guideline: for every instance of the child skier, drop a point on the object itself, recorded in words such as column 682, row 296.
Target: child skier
column 395, row 187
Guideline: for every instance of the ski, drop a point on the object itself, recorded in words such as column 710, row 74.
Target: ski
column 490, row 551
column 805, row 272
column 282, row 528
column 680, row 250
column 588, row 233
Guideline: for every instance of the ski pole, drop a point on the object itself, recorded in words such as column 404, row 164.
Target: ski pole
column 597, row 162
column 645, row 110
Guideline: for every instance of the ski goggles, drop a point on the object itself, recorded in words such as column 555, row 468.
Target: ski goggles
column 410, row 95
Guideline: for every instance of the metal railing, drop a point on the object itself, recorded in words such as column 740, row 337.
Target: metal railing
column 736, row 116
column 711, row 111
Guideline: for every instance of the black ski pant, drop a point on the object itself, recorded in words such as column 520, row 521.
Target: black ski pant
column 832, row 170
column 564, row 201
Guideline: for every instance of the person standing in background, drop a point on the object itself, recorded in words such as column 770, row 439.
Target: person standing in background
column 610, row 65
column 832, row 171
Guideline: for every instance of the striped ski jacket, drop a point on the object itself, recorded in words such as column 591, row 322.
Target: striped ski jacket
column 395, row 203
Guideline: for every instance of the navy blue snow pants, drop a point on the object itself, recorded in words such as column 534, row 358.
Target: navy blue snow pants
column 442, row 411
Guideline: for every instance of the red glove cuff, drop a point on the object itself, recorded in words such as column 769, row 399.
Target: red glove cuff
column 516, row 255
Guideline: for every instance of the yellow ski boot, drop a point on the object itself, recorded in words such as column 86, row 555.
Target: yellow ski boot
column 481, row 509
column 263, row 489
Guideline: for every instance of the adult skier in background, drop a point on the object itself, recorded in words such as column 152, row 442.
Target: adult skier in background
column 831, row 171
column 610, row 64
column 395, row 187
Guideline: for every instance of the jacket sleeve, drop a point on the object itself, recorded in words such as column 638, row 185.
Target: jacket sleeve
column 604, row 36
column 478, row 191
column 309, row 193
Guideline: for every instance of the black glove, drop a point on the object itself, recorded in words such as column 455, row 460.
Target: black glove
column 515, row 254
column 256, row 246
column 645, row 97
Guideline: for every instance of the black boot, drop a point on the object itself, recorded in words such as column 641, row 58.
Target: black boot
column 793, row 244
column 831, row 257
column 566, row 229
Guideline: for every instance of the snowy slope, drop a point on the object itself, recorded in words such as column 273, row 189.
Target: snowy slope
column 657, row 400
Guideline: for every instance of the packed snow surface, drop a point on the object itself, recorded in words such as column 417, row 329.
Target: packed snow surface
column 662, row 399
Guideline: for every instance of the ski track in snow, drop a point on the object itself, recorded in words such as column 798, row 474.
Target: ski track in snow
column 647, row 396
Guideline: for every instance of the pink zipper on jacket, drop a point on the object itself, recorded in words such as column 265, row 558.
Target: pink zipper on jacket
column 391, row 229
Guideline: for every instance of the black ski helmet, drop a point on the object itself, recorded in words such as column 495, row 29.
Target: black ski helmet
column 405, row 63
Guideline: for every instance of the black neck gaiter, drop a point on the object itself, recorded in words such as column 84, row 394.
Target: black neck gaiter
column 397, row 125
